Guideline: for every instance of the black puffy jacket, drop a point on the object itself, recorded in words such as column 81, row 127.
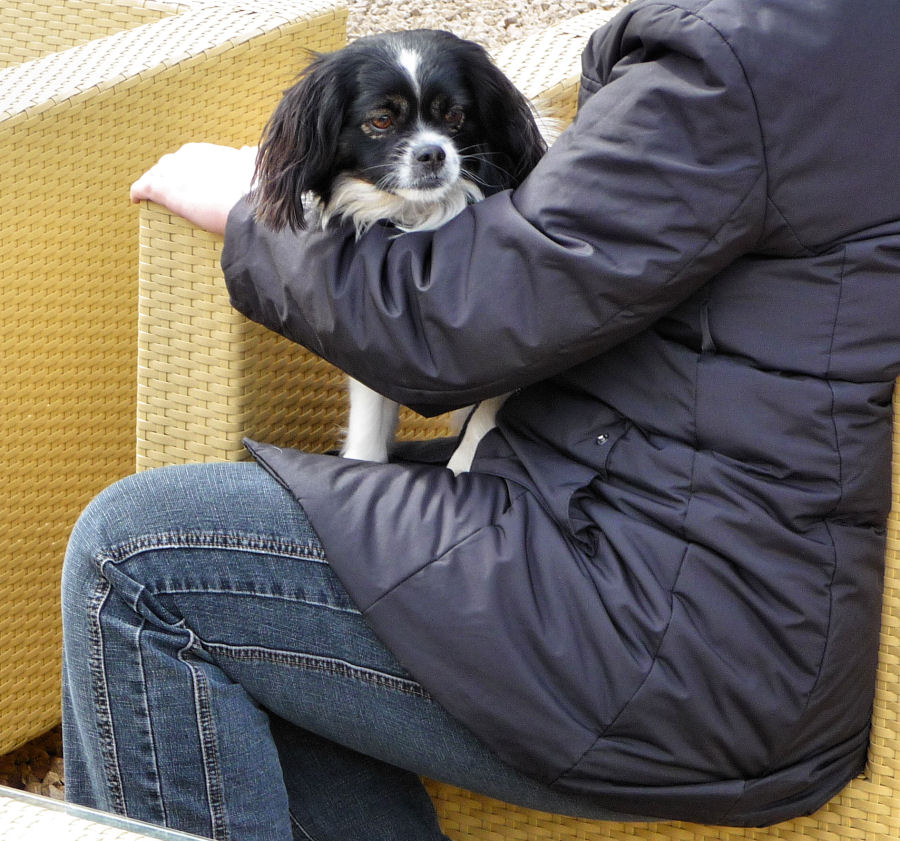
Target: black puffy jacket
column 660, row 585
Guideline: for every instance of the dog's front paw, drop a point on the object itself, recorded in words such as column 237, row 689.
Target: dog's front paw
column 376, row 454
column 461, row 460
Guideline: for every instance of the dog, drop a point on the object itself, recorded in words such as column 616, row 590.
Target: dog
column 407, row 129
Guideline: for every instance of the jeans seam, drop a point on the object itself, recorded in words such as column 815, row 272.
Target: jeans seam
column 234, row 591
column 234, row 541
column 316, row 663
column 229, row 541
column 215, row 790
column 118, row 554
column 205, row 731
column 101, row 697
column 150, row 731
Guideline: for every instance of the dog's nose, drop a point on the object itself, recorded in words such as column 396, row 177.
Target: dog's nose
column 431, row 156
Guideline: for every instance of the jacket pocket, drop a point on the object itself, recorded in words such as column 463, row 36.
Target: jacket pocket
column 584, row 498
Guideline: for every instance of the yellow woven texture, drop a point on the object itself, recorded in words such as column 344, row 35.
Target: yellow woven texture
column 30, row 29
column 207, row 377
column 547, row 66
column 76, row 128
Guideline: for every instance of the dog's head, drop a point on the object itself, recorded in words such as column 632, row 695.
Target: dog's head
column 405, row 116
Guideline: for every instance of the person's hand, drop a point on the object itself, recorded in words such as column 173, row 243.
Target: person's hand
column 201, row 182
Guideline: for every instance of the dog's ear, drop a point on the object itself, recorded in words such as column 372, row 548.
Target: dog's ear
column 516, row 144
column 299, row 145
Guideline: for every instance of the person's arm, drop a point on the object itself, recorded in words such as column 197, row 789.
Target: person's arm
column 201, row 182
column 659, row 184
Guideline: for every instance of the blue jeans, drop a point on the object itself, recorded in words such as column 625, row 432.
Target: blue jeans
column 218, row 679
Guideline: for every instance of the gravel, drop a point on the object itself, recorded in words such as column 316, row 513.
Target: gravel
column 493, row 23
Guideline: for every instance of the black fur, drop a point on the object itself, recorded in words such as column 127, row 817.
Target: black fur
column 319, row 129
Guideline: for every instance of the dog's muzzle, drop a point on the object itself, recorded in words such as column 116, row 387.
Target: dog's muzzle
column 430, row 163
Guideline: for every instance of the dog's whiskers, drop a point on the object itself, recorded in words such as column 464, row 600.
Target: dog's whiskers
column 479, row 178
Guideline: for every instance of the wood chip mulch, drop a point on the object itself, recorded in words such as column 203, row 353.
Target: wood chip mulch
column 36, row 767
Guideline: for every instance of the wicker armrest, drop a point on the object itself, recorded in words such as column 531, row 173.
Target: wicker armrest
column 137, row 57
column 546, row 66
column 77, row 126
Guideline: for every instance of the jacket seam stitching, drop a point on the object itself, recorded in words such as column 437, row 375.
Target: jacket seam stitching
column 763, row 174
column 698, row 13
column 759, row 124
column 827, row 632
column 665, row 632
column 492, row 524
column 828, row 373
column 603, row 732
column 412, row 574
column 623, row 312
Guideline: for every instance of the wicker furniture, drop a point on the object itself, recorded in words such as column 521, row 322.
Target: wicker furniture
column 90, row 92
column 206, row 377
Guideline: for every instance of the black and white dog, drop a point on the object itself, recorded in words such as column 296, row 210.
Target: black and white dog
column 406, row 128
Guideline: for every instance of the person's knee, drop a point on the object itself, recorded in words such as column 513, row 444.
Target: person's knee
column 101, row 526
column 168, row 506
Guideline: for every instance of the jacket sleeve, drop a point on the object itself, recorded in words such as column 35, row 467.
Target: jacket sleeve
column 657, row 185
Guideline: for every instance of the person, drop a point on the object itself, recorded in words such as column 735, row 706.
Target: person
column 657, row 591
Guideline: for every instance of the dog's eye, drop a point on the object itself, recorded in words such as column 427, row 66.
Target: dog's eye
column 455, row 117
column 382, row 122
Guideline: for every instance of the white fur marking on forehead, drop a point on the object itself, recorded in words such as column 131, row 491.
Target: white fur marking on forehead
column 409, row 61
